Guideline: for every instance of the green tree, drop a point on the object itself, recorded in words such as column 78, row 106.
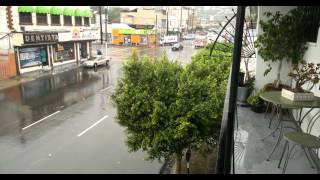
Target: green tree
column 283, row 38
column 167, row 108
column 114, row 14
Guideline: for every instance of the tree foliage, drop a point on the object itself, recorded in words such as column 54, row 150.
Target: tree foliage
column 166, row 108
column 283, row 37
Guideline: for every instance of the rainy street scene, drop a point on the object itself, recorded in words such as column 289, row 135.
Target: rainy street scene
column 159, row 90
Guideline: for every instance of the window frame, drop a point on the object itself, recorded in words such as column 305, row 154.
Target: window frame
column 86, row 19
column 76, row 19
column 64, row 21
column 39, row 17
column 52, row 16
column 23, row 18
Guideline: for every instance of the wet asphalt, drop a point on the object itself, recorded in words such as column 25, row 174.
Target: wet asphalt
column 65, row 123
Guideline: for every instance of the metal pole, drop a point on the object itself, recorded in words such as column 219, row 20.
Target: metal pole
column 226, row 143
column 156, row 29
column 167, row 20
column 100, row 25
column 106, row 24
column 181, row 24
column 188, row 20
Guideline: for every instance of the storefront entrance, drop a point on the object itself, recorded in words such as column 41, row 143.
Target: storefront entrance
column 127, row 39
column 143, row 40
column 83, row 50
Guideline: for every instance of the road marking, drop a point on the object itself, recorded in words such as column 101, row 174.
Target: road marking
column 106, row 116
column 105, row 88
column 40, row 120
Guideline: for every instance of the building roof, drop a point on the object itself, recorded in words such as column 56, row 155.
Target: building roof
column 120, row 26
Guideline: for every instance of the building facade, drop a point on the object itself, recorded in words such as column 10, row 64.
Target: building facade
column 47, row 38
column 147, row 19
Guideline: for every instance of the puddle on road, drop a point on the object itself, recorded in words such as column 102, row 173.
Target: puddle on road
column 28, row 102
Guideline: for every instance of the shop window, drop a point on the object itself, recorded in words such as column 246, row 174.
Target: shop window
column 78, row 21
column 67, row 20
column 86, row 21
column 34, row 56
column 25, row 18
column 93, row 19
column 42, row 19
column 64, row 52
column 55, row 19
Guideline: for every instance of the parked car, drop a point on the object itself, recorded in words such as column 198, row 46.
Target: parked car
column 96, row 61
column 177, row 47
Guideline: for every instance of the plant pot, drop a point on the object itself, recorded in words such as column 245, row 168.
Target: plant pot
column 271, row 87
column 243, row 94
column 258, row 108
column 297, row 96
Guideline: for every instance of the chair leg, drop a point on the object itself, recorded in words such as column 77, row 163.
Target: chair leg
column 287, row 159
column 309, row 159
column 283, row 151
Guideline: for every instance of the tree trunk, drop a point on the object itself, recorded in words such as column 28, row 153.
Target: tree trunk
column 277, row 82
column 178, row 163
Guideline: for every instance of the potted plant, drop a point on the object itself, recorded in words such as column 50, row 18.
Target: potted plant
column 256, row 104
column 302, row 73
column 245, row 86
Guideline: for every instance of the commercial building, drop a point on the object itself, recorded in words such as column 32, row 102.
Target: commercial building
column 47, row 38
column 128, row 36
column 146, row 19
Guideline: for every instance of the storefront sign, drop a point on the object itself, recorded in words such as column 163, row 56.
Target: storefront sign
column 135, row 31
column 75, row 33
column 88, row 35
column 33, row 38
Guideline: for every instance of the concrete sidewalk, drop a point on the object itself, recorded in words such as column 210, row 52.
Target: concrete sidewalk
column 7, row 83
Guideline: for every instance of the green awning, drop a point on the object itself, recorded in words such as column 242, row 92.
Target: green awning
column 68, row 11
column 56, row 10
column 42, row 9
column 79, row 12
column 26, row 9
column 87, row 13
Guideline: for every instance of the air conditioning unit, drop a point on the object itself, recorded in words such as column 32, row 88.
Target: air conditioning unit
column 23, row 29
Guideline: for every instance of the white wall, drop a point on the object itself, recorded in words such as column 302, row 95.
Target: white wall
column 313, row 55
column 261, row 66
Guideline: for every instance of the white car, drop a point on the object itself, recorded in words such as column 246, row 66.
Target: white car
column 97, row 61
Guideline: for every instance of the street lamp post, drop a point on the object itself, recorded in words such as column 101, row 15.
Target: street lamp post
column 100, row 25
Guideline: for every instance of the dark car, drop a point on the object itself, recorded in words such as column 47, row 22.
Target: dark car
column 177, row 47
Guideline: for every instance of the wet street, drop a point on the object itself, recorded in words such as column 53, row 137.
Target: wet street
column 65, row 123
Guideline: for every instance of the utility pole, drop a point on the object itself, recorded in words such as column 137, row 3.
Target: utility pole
column 181, row 24
column 106, row 28
column 100, row 25
column 167, row 20
column 192, row 20
column 106, row 23
column 156, row 29
column 188, row 20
